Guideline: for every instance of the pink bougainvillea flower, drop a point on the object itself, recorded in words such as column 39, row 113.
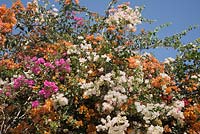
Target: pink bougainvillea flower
column 60, row 62
column 49, row 65
column 49, row 88
column 30, row 83
column 8, row 93
column 35, row 104
column 67, row 68
column 40, row 61
column 79, row 20
column 63, row 64
column 18, row 82
column 45, row 93
column 22, row 81
column 51, row 85
column 34, row 59
column 36, row 70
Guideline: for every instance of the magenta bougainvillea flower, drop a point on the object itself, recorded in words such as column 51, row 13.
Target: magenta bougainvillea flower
column 49, row 65
column 63, row 65
column 35, row 103
column 48, row 89
column 22, row 81
column 52, row 85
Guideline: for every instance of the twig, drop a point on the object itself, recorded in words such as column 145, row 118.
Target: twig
column 109, row 7
column 2, row 125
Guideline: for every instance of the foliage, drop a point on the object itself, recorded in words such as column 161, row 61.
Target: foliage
column 66, row 69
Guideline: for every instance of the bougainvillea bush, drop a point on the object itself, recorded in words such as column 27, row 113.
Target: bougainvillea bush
column 65, row 69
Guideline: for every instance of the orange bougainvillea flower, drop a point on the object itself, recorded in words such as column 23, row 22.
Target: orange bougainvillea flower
column 160, row 81
column 7, row 22
column 93, row 39
column 79, row 123
column 76, row 1
column 67, row 2
column 47, row 132
column 91, row 129
column 121, row 31
column 10, row 18
column 85, row 97
column 69, row 120
column 192, row 116
column 9, row 64
column 18, row 6
column 131, row 131
column 90, row 113
column 82, row 109
column 3, row 10
column 80, row 80
column 89, row 37
column 167, row 129
column 6, row 27
column 196, row 127
column 36, row 87
column 127, row 105
column 192, row 113
column 170, row 88
column 111, row 28
column 48, row 105
column 20, row 128
column 192, row 87
column 32, row 7
column 134, row 62
column 110, row 55
column 67, row 44
column 99, row 38
column 151, row 65
column 2, row 40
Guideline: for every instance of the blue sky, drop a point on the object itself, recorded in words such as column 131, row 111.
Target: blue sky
column 181, row 13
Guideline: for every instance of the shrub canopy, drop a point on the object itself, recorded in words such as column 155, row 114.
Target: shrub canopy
column 66, row 69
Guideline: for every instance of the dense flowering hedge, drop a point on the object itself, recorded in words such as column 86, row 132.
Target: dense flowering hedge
column 65, row 69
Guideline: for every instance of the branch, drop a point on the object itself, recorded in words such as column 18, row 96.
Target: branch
column 109, row 7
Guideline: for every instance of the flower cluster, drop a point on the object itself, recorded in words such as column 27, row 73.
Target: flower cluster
column 155, row 130
column 70, row 1
column 7, row 22
column 49, row 87
column 117, row 125
column 7, row 19
column 40, row 65
column 124, row 15
column 66, row 76
column 9, row 64
column 20, row 81
column 152, row 112
column 60, row 99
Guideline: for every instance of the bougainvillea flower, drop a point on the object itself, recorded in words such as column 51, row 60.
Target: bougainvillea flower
column 35, row 103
